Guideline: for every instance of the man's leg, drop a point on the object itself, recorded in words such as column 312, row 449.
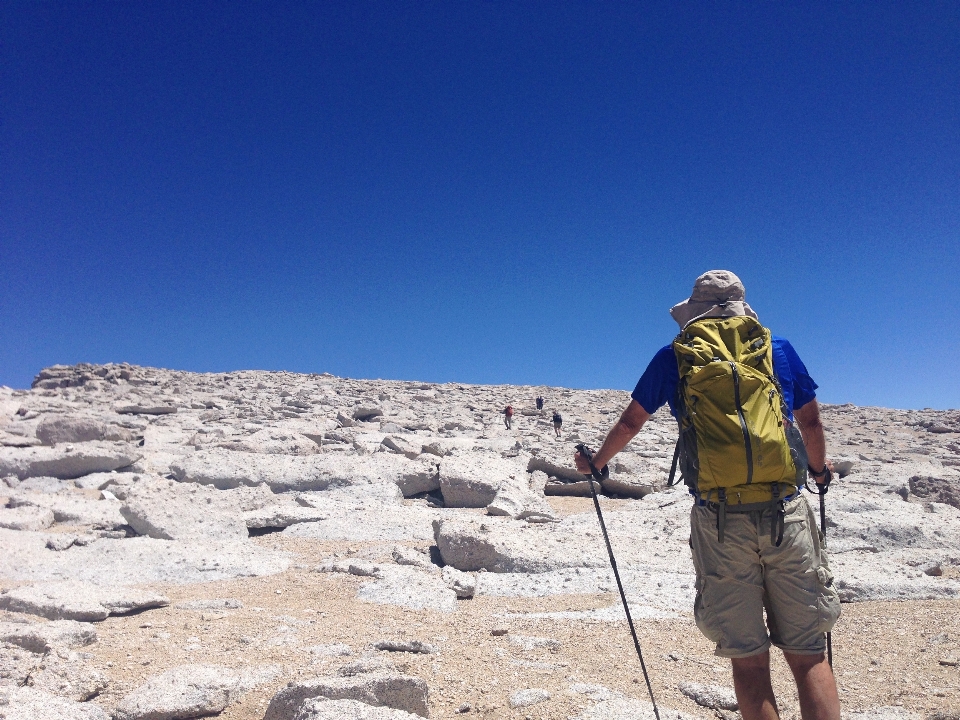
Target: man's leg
column 751, row 680
column 802, row 605
column 815, row 685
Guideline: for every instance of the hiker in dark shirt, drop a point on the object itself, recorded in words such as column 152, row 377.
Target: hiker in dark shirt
column 508, row 416
column 539, row 402
column 744, row 572
column 557, row 422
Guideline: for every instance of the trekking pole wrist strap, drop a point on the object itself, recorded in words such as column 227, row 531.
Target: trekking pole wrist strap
column 825, row 474
column 598, row 475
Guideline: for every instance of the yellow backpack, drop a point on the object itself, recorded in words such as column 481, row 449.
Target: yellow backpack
column 733, row 448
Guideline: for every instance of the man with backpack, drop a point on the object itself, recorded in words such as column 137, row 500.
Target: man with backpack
column 508, row 416
column 739, row 394
column 557, row 422
column 539, row 402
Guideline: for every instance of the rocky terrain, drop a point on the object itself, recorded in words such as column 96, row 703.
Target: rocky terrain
column 307, row 547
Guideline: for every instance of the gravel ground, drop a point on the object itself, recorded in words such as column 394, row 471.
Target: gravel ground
column 886, row 653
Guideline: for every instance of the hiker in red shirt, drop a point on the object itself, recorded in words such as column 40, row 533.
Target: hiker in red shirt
column 508, row 415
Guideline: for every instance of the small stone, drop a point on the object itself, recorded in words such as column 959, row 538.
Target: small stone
column 499, row 630
column 949, row 661
column 465, row 708
column 411, row 646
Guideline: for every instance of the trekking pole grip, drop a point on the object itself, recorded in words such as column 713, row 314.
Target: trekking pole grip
column 598, row 475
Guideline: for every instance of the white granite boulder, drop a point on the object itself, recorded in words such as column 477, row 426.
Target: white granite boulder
column 27, row 703
column 505, row 546
column 26, row 517
column 65, row 674
column 387, row 689
column 471, row 479
column 66, row 461
column 41, row 637
column 168, row 510
column 134, row 561
column 189, row 691
column 409, row 588
column 231, row 469
column 420, row 476
column 73, row 600
column 54, row 429
column 517, row 500
column 272, row 441
column 74, row 508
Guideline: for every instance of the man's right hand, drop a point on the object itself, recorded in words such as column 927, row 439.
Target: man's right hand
column 583, row 466
column 822, row 478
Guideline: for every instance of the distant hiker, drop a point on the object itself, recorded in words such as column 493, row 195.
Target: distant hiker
column 508, row 416
column 557, row 422
column 736, row 392
column 539, row 402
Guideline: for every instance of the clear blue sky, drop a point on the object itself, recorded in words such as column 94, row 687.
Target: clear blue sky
column 479, row 191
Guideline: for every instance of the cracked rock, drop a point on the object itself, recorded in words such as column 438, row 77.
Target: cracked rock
column 710, row 696
column 43, row 637
column 394, row 690
column 73, row 600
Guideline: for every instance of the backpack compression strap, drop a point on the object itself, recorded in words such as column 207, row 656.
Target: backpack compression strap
column 673, row 466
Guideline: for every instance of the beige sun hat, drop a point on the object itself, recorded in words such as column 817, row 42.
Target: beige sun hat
column 717, row 293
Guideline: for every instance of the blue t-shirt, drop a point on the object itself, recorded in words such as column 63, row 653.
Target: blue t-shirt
column 658, row 384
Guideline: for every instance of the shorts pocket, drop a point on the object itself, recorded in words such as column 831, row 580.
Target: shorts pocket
column 706, row 620
column 828, row 601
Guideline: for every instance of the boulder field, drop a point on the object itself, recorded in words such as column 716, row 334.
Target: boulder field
column 272, row 545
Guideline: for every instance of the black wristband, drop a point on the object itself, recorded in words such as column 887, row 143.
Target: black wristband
column 814, row 473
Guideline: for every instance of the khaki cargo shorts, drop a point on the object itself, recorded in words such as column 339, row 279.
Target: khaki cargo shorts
column 746, row 574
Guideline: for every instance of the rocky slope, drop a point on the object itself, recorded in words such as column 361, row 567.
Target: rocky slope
column 257, row 544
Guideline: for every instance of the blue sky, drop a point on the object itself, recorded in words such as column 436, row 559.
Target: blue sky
column 480, row 191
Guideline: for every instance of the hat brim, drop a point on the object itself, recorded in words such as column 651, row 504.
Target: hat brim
column 690, row 311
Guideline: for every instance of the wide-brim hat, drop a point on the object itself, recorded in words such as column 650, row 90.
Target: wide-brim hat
column 717, row 293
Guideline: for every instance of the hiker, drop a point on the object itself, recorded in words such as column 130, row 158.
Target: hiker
column 557, row 422
column 754, row 539
column 539, row 402
column 508, row 415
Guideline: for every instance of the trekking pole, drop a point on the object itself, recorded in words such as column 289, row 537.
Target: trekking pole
column 599, row 477
column 822, row 492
